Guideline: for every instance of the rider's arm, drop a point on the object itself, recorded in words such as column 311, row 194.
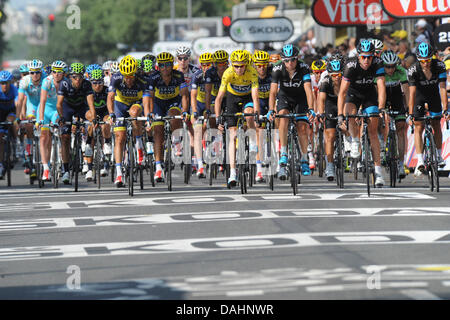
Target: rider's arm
column 321, row 102
column 341, row 97
column 412, row 99
column 208, row 96
column 90, row 101
column 405, row 89
column 273, row 96
column 255, row 97
column 42, row 103
column 194, row 100
column 59, row 105
column 218, row 102
column 381, row 92
column 110, row 101
column 21, row 109
column 185, row 99
column 443, row 93
column 309, row 95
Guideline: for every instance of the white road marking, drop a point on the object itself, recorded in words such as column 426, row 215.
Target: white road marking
column 418, row 294
column 279, row 241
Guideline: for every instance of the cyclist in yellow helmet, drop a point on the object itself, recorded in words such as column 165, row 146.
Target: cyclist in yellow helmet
column 169, row 95
column 240, row 86
column 127, row 93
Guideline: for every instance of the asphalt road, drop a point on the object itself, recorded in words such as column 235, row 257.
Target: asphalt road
column 202, row 242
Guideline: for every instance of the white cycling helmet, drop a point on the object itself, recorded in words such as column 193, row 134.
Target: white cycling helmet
column 378, row 44
column 115, row 67
column 107, row 65
column 183, row 50
column 59, row 65
column 35, row 65
column 389, row 57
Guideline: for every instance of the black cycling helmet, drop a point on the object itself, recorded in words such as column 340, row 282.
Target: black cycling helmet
column 335, row 66
column 289, row 51
column 365, row 46
column 424, row 51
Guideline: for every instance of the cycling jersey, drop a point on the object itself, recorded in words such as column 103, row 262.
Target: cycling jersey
column 327, row 86
column 189, row 75
column 239, row 85
column 72, row 96
column 33, row 94
column 198, row 82
column 394, row 93
column 8, row 99
column 166, row 96
column 362, row 90
column 100, row 103
column 212, row 77
column 427, row 89
column 264, row 91
column 125, row 95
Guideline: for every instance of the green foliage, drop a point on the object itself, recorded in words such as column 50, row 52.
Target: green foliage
column 302, row 4
column 17, row 48
column 105, row 23
column 3, row 44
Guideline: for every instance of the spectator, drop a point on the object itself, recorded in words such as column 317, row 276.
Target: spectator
column 424, row 34
column 403, row 49
column 352, row 47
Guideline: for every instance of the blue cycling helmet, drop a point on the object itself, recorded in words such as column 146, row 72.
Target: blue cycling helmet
column 334, row 66
column 366, row 47
column 289, row 51
column 5, row 76
column 23, row 68
column 424, row 51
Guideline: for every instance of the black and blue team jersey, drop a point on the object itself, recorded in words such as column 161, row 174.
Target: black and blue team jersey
column 264, row 85
column 425, row 87
column 100, row 98
column 198, row 83
column 170, row 91
column 292, row 88
column 362, row 80
column 75, row 97
column 212, row 77
column 327, row 86
column 126, row 95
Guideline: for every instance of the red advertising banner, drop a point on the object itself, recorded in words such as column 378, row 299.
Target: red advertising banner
column 333, row 13
column 416, row 8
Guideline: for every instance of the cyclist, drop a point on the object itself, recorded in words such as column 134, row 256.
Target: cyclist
column 114, row 68
column 240, row 86
column 28, row 104
column 213, row 78
column 183, row 56
column 275, row 59
column 48, row 112
column 126, row 92
column 100, row 97
column 168, row 91
column 358, row 89
column 327, row 105
column 199, row 108
column 261, row 63
column 24, row 70
column 397, row 90
column 75, row 99
column 378, row 44
column 427, row 86
column 8, row 99
column 106, row 67
column 295, row 95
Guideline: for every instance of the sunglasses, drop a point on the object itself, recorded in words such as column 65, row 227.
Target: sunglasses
column 290, row 60
column 367, row 57
column 97, row 82
column 318, row 71
column 425, row 61
column 336, row 75
column 222, row 63
column 183, row 58
column 166, row 65
column 35, row 72
column 261, row 65
column 389, row 66
column 4, row 83
column 238, row 66
column 206, row 65
column 76, row 76
column 55, row 71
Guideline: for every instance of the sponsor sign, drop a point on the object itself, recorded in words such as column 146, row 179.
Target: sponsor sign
column 211, row 44
column 331, row 13
column 416, row 8
column 261, row 30
column 441, row 36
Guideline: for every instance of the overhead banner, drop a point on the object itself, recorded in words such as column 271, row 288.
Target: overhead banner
column 211, row 44
column 416, row 8
column 261, row 30
column 335, row 13
column 441, row 36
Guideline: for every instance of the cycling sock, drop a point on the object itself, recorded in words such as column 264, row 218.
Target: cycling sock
column 232, row 172
column 158, row 165
column 283, row 150
column 258, row 165
column 200, row 163
column 419, row 157
column 28, row 144
column 378, row 170
column 90, row 166
column 89, row 140
column 66, row 167
column 45, row 166
column 304, row 157
column 118, row 169
column 139, row 144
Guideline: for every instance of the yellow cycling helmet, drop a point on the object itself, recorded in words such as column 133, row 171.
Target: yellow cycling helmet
column 128, row 66
column 206, row 58
column 164, row 57
column 260, row 57
column 239, row 56
column 250, row 60
column 221, row 56
column 319, row 65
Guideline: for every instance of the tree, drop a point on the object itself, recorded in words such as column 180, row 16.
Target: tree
column 3, row 43
column 105, row 23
